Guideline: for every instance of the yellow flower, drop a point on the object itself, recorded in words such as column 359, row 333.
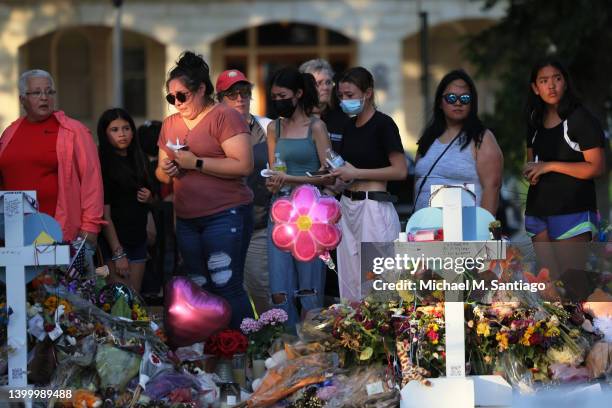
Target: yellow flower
column 483, row 329
column 502, row 339
column 525, row 340
column 552, row 331
column 433, row 326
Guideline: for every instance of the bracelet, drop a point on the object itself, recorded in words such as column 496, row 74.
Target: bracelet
column 118, row 257
column 118, row 250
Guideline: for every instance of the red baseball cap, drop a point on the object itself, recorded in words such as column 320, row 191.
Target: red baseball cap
column 229, row 78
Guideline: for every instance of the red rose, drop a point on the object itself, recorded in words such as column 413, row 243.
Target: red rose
column 227, row 343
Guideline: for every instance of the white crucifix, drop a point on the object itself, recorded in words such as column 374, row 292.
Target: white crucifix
column 456, row 389
column 16, row 256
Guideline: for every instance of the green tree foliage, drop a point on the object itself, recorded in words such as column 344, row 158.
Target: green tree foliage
column 579, row 32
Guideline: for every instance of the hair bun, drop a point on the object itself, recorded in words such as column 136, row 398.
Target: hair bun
column 192, row 62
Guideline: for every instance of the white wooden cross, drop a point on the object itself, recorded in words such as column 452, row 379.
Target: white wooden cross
column 15, row 256
column 456, row 389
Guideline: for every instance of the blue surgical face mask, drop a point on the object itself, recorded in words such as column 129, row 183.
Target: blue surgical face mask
column 352, row 107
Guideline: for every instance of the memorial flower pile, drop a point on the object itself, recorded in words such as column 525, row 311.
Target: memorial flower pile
column 535, row 337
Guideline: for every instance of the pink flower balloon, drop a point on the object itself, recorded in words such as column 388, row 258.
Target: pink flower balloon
column 305, row 223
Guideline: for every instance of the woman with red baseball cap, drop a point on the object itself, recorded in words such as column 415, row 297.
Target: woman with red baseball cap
column 234, row 90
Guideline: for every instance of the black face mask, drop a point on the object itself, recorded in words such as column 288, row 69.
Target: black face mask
column 283, row 107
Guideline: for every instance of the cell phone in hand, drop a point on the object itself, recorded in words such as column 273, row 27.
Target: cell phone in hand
column 318, row 173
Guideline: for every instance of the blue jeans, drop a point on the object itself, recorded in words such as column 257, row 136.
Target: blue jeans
column 213, row 248
column 296, row 280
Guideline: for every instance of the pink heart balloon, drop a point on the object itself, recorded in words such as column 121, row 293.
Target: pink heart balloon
column 191, row 313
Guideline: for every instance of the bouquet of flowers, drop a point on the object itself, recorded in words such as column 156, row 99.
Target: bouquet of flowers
column 264, row 331
column 423, row 329
column 365, row 330
column 226, row 343
column 535, row 337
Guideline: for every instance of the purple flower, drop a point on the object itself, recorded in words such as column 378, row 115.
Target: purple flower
column 73, row 286
column 249, row 325
column 273, row 316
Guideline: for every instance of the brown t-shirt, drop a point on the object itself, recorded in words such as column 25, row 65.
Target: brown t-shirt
column 197, row 194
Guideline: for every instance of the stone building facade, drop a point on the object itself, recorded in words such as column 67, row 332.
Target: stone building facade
column 72, row 39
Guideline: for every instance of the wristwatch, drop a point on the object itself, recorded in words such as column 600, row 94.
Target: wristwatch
column 199, row 164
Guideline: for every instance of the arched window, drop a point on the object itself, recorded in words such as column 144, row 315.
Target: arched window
column 260, row 51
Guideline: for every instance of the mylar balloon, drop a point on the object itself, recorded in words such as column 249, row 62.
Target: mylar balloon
column 305, row 223
column 191, row 313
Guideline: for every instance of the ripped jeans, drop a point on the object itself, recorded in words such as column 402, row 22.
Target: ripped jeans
column 214, row 248
column 296, row 280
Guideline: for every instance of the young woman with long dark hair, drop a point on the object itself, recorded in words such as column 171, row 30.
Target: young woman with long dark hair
column 127, row 195
column 300, row 140
column 564, row 154
column 456, row 147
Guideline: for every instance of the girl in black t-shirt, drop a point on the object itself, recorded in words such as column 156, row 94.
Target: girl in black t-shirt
column 564, row 154
column 127, row 195
column 373, row 151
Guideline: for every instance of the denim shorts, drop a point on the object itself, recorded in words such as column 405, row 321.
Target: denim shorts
column 563, row 226
column 135, row 253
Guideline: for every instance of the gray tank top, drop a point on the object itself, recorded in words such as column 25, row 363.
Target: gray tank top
column 455, row 167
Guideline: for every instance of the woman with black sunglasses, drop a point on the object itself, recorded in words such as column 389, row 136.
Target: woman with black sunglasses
column 205, row 151
column 456, row 148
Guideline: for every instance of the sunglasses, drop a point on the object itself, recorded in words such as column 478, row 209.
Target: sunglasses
column 180, row 96
column 452, row 98
column 232, row 96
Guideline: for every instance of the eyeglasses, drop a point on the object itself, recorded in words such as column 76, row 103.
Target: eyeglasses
column 232, row 96
column 38, row 94
column 180, row 96
column 452, row 98
column 326, row 82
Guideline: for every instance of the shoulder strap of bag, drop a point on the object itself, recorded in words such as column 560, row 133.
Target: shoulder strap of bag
column 431, row 169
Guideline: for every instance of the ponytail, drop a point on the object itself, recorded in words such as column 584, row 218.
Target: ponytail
column 310, row 96
column 291, row 78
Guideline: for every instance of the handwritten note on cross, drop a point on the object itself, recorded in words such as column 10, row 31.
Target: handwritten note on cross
column 16, row 256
